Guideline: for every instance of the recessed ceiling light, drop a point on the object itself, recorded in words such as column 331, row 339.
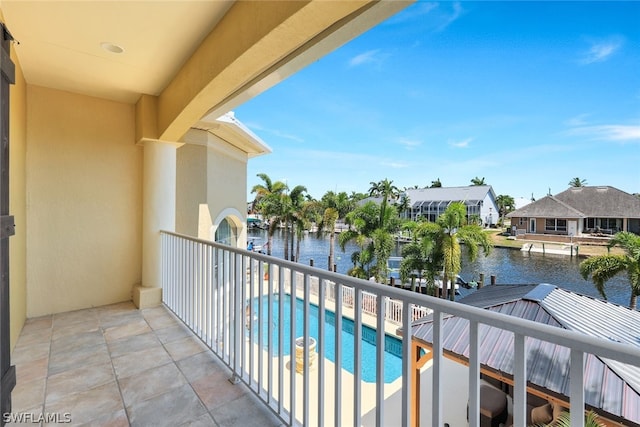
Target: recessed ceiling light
column 111, row 47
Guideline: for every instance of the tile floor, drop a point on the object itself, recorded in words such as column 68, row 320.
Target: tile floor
column 119, row 366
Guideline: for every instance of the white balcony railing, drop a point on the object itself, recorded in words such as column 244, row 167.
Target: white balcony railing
column 234, row 301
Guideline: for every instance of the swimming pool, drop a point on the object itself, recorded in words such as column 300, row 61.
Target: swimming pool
column 393, row 346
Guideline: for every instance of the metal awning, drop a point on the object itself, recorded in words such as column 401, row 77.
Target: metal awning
column 614, row 388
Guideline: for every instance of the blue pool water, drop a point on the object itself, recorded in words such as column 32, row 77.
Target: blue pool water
column 393, row 346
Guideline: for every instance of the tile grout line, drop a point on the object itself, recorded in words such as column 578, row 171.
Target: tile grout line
column 113, row 368
column 46, row 378
column 176, row 363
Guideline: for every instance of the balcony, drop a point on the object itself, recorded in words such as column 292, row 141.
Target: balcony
column 118, row 366
column 212, row 352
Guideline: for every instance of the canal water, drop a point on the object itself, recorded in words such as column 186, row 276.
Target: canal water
column 510, row 266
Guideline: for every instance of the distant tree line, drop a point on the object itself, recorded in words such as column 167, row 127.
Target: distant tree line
column 433, row 252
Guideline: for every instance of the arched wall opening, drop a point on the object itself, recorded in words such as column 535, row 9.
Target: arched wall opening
column 228, row 228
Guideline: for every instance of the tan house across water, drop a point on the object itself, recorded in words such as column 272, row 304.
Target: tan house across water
column 597, row 211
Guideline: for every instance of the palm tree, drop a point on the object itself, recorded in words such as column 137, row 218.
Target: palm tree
column 454, row 229
column 386, row 190
column 436, row 183
column 383, row 243
column 375, row 241
column 264, row 205
column 603, row 267
column 505, row 204
column 328, row 223
column 277, row 207
column 307, row 214
column 362, row 222
column 577, row 182
column 291, row 211
column 403, row 205
column 267, row 188
column 342, row 202
column 477, row 181
column 356, row 197
column 335, row 206
column 421, row 256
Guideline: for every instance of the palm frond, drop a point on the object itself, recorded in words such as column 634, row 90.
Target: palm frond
column 601, row 269
column 590, row 420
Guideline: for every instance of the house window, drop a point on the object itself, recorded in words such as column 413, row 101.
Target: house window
column 613, row 224
column 603, row 224
column 555, row 224
column 226, row 233
column 522, row 221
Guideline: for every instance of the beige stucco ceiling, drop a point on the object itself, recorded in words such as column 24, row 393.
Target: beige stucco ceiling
column 60, row 42
column 181, row 59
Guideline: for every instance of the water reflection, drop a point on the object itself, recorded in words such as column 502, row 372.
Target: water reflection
column 508, row 265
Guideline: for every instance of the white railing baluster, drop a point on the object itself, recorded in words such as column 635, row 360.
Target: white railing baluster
column 519, row 381
column 281, row 343
column 242, row 301
column 337, row 404
column 321, row 349
column 269, row 297
column 576, row 376
column 250, row 314
column 224, row 296
column 306, row 341
column 260, row 326
column 219, row 303
column 474, row 375
column 406, row 367
column 192, row 289
column 436, row 370
column 292, row 349
column 380, row 350
column 357, row 357
column 201, row 300
column 237, row 317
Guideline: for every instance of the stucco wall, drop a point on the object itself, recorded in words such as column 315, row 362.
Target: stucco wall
column 211, row 183
column 84, row 187
column 191, row 187
column 227, row 187
column 18, row 203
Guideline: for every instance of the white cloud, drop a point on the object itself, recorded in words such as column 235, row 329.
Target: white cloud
column 285, row 135
column 460, row 144
column 418, row 11
column 608, row 132
column 579, row 120
column 456, row 13
column 601, row 50
column 258, row 128
column 339, row 158
column 395, row 165
column 409, row 144
column 370, row 56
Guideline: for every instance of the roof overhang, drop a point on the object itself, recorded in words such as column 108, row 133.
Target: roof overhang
column 235, row 133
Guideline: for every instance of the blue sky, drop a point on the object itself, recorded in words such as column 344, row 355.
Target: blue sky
column 524, row 95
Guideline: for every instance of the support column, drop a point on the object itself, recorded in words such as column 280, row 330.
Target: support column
column 159, row 213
